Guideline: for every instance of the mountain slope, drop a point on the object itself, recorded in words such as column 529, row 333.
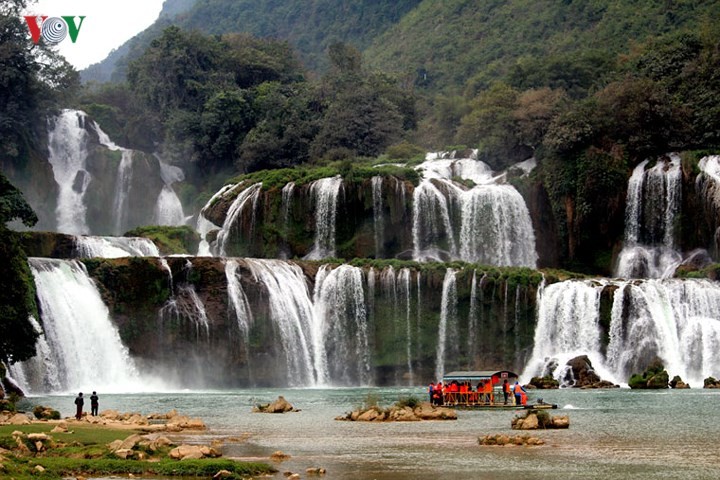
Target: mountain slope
column 455, row 42
column 309, row 25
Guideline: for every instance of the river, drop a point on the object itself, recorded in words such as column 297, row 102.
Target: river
column 613, row 434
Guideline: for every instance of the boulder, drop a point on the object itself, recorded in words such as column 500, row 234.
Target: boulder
column 539, row 419
column 678, row 383
column 315, row 471
column 278, row 406
column 654, row 377
column 710, row 382
column 19, row 419
column 502, row 440
column 184, row 452
column 583, row 373
column 279, row 456
column 544, row 383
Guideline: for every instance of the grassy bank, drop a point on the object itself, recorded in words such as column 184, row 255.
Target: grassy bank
column 83, row 451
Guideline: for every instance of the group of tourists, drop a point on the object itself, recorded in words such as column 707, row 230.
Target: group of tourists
column 462, row 392
column 80, row 402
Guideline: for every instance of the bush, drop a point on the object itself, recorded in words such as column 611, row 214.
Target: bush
column 410, row 401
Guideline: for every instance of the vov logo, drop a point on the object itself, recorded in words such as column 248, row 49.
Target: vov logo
column 53, row 29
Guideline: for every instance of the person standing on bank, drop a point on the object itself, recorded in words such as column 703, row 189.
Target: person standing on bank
column 79, row 402
column 94, row 404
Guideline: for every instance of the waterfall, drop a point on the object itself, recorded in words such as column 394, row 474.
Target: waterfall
column 237, row 300
column 168, row 207
column 341, row 327
column 291, row 314
column 40, row 373
column 707, row 184
column 325, row 193
column 494, row 223
column 186, row 306
column 205, row 226
column 377, row 182
column 653, row 201
column 115, row 247
column 67, row 147
column 83, row 344
column 245, row 198
column 495, row 227
column 287, row 198
column 675, row 320
column 122, row 192
column 404, row 289
column 473, row 320
column 433, row 236
column 447, row 328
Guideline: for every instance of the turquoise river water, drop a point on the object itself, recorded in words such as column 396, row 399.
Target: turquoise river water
column 613, row 434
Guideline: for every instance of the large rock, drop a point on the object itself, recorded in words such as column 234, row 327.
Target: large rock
column 400, row 413
column 540, row 419
column 278, row 406
column 654, row 377
column 184, row 452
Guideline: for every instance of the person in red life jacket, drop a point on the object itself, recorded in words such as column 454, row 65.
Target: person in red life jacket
column 506, row 391
column 518, row 390
column 439, row 392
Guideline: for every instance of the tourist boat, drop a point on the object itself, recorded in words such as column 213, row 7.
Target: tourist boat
column 481, row 389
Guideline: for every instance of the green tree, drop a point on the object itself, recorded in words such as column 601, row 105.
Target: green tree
column 17, row 290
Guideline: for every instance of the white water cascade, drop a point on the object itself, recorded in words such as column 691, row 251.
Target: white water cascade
column 377, row 182
column 325, row 193
column 674, row 320
column 653, row 202
column 84, row 344
column 67, row 146
column 341, row 327
column 168, row 207
column 291, row 313
column 245, row 200
column 404, row 291
column 488, row 223
column 205, row 226
column 237, row 299
column 40, row 373
column 447, row 329
column 114, row 247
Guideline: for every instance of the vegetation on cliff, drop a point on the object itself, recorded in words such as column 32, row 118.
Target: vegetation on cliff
column 169, row 240
column 17, row 288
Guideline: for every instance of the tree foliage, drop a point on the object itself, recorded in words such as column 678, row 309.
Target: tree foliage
column 17, row 291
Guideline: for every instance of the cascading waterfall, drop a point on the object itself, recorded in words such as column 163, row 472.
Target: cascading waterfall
column 653, row 202
column 205, row 226
column 287, row 192
column 674, row 320
column 168, row 207
column 122, row 185
column 115, row 247
column 40, row 373
column 404, row 289
column 341, row 327
column 122, row 192
column 245, row 199
column 67, row 146
column 377, row 182
column 291, row 312
column 184, row 305
column 84, row 344
column 495, row 228
column 325, row 193
column 237, row 299
column 447, row 328
column 494, row 223
column 473, row 318
column 707, row 184
column 433, row 235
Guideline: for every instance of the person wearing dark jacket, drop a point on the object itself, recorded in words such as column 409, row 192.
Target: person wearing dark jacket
column 79, row 402
column 94, row 404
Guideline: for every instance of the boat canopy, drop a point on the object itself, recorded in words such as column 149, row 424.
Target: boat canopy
column 479, row 375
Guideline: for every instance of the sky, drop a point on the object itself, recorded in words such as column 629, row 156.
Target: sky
column 107, row 25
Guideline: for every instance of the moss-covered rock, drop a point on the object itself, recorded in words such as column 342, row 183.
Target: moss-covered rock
column 654, row 377
column 544, row 383
column 169, row 240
